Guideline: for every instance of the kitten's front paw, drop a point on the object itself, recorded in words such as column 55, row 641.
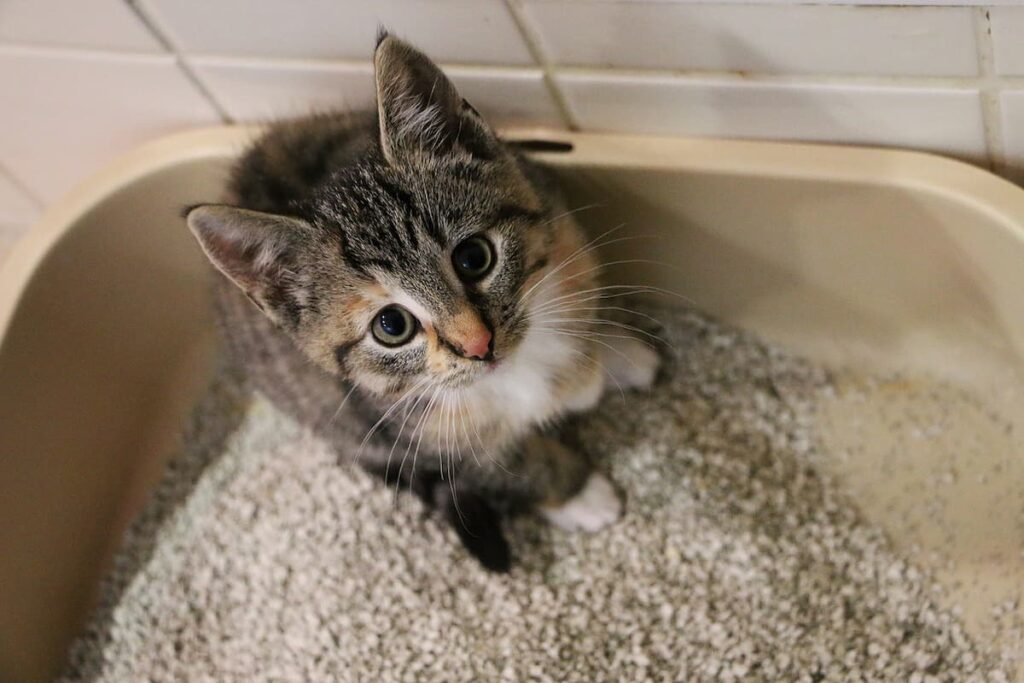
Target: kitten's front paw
column 632, row 364
column 596, row 505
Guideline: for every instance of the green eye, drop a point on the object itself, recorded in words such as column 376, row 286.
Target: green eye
column 473, row 258
column 393, row 326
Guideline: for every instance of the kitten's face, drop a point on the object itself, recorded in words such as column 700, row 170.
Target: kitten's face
column 414, row 267
column 432, row 266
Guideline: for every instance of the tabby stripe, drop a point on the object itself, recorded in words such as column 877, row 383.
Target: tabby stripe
column 398, row 194
column 410, row 232
column 341, row 352
column 362, row 264
column 357, row 262
column 513, row 212
column 409, row 210
column 433, row 231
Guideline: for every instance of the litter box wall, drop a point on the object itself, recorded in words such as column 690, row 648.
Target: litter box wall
column 867, row 257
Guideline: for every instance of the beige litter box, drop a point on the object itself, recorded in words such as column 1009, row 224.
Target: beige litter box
column 868, row 259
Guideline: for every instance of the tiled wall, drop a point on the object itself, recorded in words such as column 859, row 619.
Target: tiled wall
column 83, row 80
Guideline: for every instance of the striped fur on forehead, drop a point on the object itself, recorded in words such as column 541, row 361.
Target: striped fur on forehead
column 383, row 214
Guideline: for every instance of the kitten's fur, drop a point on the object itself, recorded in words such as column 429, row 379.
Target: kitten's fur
column 333, row 217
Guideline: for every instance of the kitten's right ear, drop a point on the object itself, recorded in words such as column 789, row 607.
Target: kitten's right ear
column 419, row 109
column 255, row 251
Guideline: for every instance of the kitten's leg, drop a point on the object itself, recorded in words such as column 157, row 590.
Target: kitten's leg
column 564, row 487
column 588, row 389
column 475, row 521
column 593, row 507
column 477, row 524
column 623, row 363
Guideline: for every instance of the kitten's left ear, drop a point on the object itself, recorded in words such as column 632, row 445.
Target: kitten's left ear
column 255, row 251
column 420, row 110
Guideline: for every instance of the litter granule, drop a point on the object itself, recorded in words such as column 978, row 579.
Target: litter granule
column 260, row 559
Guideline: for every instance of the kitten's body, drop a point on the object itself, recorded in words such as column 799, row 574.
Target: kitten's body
column 468, row 435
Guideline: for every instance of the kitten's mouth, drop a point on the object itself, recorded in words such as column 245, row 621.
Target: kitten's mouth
column 469, row 375
column 486, row 367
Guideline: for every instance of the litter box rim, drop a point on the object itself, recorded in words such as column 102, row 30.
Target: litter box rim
column 968, row 184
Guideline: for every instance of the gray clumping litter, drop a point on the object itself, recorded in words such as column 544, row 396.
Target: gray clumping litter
column 259, row 558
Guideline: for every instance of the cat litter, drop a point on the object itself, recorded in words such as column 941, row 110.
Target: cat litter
column 260, row 559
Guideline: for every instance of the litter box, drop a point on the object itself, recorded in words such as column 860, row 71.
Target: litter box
column 880, row 263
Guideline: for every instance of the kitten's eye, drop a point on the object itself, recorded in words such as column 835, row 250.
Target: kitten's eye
column 393, row 326
column 473, row 258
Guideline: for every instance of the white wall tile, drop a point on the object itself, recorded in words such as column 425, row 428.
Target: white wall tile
column 945, row 120
column 769, row 39
column 859, row 3
column 1008, row 39
column 66, row 115
column 260, row 90
column 105, row 24
column 508, row 97
column 1012, row 107
column 15, row 206
column 448, row 30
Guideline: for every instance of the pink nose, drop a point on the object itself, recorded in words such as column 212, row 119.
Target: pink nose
column 477, row 346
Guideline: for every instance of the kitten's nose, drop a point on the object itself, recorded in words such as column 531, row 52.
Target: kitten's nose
column 467, row 335
column 478, row 345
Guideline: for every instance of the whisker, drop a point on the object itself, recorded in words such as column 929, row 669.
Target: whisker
column 570, row 212
column 387, row 414
column 629, row 311
column 497, row 463
column 412, row 434
column 583, row 251
column 596, row 341
column 578, row 253
column 408, row 413
column 419, row 439
column 609, row 264
column 581, row 292
column 440, row 448
column 462, row 421
column 607, row 335
column 607, row 292
column 451, row 473
column 604, row 371
column 341, row 406
column 612, row 323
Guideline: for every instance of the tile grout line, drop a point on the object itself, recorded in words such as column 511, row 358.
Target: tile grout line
column 682, row 75
column 262, row 61
column 533, row 46
column 30, row 194
column 809, row 79
column 183, row 63
column 989, row 91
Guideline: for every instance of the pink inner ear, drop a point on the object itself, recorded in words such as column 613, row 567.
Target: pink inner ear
column 240, row 259
column 221, row 247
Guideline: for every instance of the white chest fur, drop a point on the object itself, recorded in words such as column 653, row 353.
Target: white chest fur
column 523, row 391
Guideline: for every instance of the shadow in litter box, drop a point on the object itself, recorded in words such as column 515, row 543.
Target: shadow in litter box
column 203, row 442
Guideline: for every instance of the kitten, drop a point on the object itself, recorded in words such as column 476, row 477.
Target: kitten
column 424, row 301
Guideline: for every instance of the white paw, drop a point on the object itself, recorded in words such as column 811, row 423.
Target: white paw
column 588, row 395
column 631, row 364
column 595, row 506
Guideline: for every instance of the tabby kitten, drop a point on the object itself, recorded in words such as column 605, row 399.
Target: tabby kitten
column 424, row 301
